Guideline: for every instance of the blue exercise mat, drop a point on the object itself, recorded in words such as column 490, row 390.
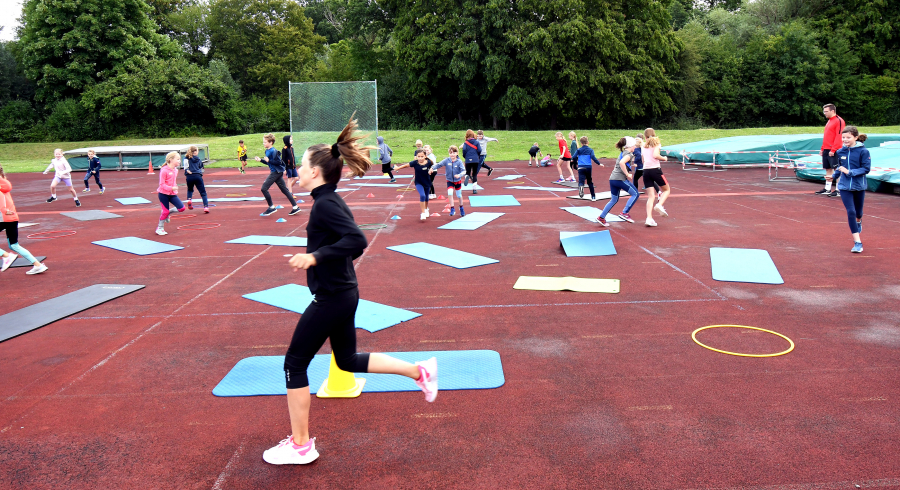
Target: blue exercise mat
column 744, row 265
column 510, row 177
column 370, row 316
column 471, row 221
column 491, row 201
column 457, row 370
column 443, row 255
column 587, row 244
column 285, row 241
column 131, row 200
column 137, row 246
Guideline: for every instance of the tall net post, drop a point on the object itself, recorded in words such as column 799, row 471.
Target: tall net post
column 320, row 110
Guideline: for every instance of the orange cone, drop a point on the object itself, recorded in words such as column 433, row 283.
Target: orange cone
column 435, row 215
column 441, row 198
column 151, row 167
column 371, row 195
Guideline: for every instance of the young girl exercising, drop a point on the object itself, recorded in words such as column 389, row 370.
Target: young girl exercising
column 619, row 180
column 193, row 176
column 454, row 173
column 334, row 241
column 63, row 174
column 653, row 176
column 421, row 165
column 855, row 163
column 290, row 161
column 168, row 190
column 9, row 221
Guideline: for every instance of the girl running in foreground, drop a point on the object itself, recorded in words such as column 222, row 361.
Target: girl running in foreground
column 334, row 241
column 454, row 173
column 421, row 165
column 168, row 190
column 63, row 174
column 10, row 222
column 855, row 163
column 619, row 181
column 653, row 176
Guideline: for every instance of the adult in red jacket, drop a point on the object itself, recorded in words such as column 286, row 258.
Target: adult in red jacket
column 831, row 143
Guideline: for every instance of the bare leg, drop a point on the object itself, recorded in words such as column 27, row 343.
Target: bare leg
column 559, row 167
column 72, row 190
column 298, row 408
column 450, row 196
column 52, row 189
column 664, row 194
column 384, row 364
column 651, row 201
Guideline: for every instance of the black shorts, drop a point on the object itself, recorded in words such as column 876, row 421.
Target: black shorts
column 830, row 162
column 533, row 154
column 654, row 177
column 244, row 158
column 455, row 185
column 566, row 159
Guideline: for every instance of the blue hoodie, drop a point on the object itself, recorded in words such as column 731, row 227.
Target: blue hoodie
column 94, row 164
column 584, row 156
column 384, row 151
column 194, row 166
column 453, row 168
column 857, row 160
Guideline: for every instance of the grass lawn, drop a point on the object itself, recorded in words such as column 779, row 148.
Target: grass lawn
column 513, row 145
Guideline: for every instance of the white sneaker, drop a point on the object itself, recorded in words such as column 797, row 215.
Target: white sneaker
column 650, row 222
column 661, row 210
column 161, row 232
column 423, row 216
column 432, row 196
column 286, row 452
column 428, row 380
column 7, row 261
column 37, row 269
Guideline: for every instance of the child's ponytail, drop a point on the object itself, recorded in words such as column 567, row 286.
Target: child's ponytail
column 855, row 132
column 330, row 158
column 620, row 144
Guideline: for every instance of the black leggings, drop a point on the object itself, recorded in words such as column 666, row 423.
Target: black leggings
column 472, row 170
column 584, row 174
column 386, row 169
column 277, row 179
column 196, row 180
column 87, row 177
column 853, row 203
column 328, row 316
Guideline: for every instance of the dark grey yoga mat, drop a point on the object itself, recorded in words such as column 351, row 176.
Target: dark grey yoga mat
column 47, row 312
column 23, row 262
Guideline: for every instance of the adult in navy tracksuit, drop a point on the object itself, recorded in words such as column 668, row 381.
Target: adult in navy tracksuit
column 472, row 158
column 93, row 169
column 193, row 175
column 854, row 163
column 584, row 156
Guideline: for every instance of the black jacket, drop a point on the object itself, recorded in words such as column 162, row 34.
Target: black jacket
column 335, row 240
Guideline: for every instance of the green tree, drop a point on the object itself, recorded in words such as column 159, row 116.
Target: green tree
column 13, row 83
column 265, row 43
column 69, row 45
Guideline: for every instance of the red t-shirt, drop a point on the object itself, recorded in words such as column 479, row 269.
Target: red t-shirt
column 832, row 138
column 564, row 149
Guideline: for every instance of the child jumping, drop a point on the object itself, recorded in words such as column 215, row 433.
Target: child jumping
column 335, row 241
column 384, row 155
column 423, row 183
column 584, row 156
column 10, row 223
column 168, row 190
column 619, row 180
column 63, row 174
column 276, row 171
column 653, row 176
column 565, row 158
column 93, row 169
column 482, row 142
column 454, row 173
column 471, row 155
column 533, row 153
column 242, row 155
column 290, row 161
column 193, row 176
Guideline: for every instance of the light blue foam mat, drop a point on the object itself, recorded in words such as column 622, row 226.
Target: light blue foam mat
column 443, row 255
column 744, row 265
column 510, row 177
column 490, row 201
column 370, row 316
column 137, row 246
column 590, row 213
column 587, row 244
column 457, row 370
column 131, row 200
column 284, row 241
column 471, row 221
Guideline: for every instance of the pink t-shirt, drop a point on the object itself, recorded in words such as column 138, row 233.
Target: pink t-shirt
column 647, row 155
column 167, row 177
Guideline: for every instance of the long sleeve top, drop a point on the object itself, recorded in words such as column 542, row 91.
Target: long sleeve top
column 335, row 240
column 483, row 143
column 6, row 202
column 94, row 165
column 584, row 156
column 167, row 176
column 831, row 140
column 194, row 166
column 858, row 161
column 288, row 158
column 61, row 165
column 453, row 168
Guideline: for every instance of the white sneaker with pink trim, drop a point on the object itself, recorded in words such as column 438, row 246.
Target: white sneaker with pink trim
column 428, row 379
column 286, row 452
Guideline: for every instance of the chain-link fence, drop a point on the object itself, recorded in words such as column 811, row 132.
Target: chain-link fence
column 320, row 110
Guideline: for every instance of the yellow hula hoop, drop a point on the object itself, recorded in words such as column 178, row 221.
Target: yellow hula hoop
column 701, row 344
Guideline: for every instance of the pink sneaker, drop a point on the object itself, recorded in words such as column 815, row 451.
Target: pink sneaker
column 206, row 210
column 428, row 379
column 189, row 205
column 602, row 221
column 286, row 452
column 627, row 217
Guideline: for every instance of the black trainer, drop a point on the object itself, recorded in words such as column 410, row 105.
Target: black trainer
column 466, row 182
column 269, row 211
column 77, row 203
column 821, row 191
column 834, row 194
column 294, row 211
column 490, row 171
column 51, row 199
column 581, row 191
